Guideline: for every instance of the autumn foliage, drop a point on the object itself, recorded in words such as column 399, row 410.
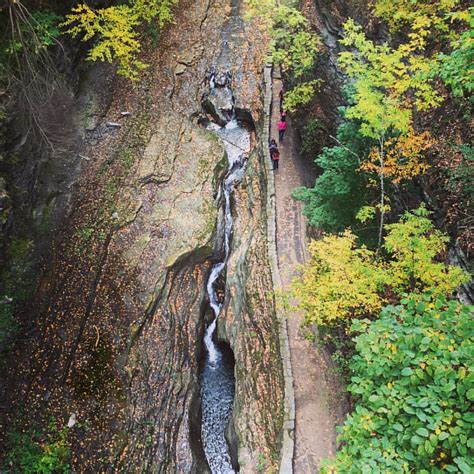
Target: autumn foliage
column 405, row 157
column 116, row 31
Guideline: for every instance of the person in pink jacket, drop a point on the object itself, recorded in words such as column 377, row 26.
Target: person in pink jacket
column 281, row 129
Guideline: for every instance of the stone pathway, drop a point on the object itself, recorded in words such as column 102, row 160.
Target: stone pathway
column 316, row 388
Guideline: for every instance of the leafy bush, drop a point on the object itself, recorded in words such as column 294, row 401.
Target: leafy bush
column 42, row 452
column 339, row 280
column 35, row 32
column 294, row 46
column 413, row 382
column 309, row 133
column 46, row 25
column 301, row 94
column 388, row 83
column 413, row 244
column 420, row 15
column 457, row 68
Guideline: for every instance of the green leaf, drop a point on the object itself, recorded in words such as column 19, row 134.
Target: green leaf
column 428, row 447
column 397, row 427
column 470, row 394
column 407, row 371
column 420, row 307
column 449, row 387
column 463, row 465
column 422, row 432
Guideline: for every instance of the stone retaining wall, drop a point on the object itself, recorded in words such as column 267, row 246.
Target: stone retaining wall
column 286, row 465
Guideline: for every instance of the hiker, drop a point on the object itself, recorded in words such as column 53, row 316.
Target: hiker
column 281, row 94
column 273, row 146
column 283, row 116
column 275, row 159
column 281, row 129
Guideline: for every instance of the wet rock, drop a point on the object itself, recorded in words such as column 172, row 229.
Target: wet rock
column 219, row 103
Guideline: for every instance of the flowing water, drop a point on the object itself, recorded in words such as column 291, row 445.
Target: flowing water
column 217, row 378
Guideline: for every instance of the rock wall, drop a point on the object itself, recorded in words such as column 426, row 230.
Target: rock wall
column 119, row 310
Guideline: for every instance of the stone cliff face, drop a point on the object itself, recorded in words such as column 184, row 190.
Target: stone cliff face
column 121, row 305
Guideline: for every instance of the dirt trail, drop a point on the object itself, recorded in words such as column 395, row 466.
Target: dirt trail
column 316, row 387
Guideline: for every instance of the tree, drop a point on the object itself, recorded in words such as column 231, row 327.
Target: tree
column 116, row 29
column 422, row 16
column 343, row 281
column 340, row 281
column 414, row 244
column 295, row 48
column 294, row 45
column 389, row 83
column 404, row 157
column 116, row 32
column 340, row 191
column 457, row 68
column 301, row 94
column 447, row 20
column 413, row 386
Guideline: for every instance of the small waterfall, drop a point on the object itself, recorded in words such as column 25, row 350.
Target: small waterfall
column 217, row 378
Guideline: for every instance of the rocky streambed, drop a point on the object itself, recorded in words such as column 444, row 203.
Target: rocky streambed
column 122, row 307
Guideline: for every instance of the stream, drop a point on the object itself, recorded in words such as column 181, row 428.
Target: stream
column 217, row 377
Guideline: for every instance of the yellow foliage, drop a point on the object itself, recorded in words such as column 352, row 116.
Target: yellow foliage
column 115, row 28
column 414, row 244
column 404, row 157
column 343, row 281
column 340, row 280
column 423, row 16
column 389, row 82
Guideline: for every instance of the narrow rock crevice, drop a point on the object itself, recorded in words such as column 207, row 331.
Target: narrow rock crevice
column 217, row 375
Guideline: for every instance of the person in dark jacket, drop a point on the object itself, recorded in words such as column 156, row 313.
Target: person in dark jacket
column 274, row 153
column 273, row 146
column 275, row 159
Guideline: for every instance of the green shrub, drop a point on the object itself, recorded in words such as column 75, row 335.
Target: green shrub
column 300, row 94
column 309, row 137
column 414, row 385
column 457, row 68
column 294, row 45
column 40, row 452
column 340, row 191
